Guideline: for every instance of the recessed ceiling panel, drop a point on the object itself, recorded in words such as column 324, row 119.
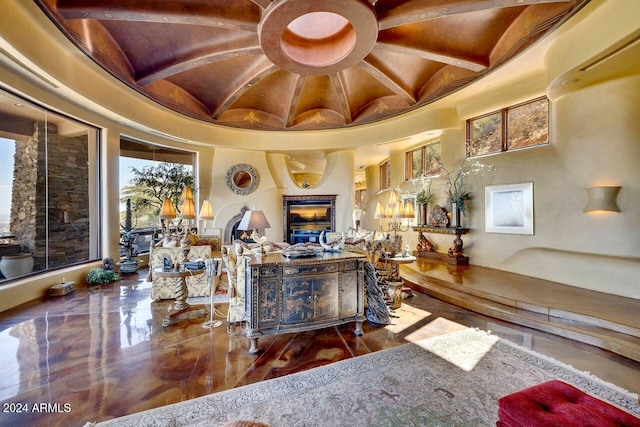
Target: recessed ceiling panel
column 302, row 64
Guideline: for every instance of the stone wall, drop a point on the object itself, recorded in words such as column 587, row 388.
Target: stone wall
column 53, row 168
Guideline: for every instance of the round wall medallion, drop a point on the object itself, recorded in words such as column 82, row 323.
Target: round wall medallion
column 242, row 179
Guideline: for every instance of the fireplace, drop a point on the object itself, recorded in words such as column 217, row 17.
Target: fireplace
column 305, row 217
column 231, row 232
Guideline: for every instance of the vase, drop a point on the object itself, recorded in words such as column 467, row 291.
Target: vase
column 455, row 215
column 423, row 214
column 16, row 265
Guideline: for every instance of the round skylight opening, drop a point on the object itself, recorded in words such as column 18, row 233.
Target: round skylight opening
column 318, row 39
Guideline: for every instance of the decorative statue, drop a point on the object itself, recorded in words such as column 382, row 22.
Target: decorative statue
column 424, row 245
column 333, row 247
column 107, row 263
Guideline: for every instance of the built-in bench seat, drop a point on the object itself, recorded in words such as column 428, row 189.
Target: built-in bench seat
column 597, row 318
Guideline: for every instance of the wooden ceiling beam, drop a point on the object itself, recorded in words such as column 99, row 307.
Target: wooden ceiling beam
column 432, row 56
column 408, row 15
column 342, row 97
column 383, row 78
column 241, row 89
column 163, row 12
column 196, row 62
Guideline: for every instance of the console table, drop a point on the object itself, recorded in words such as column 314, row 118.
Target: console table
column 454, row 256
column 299, row 294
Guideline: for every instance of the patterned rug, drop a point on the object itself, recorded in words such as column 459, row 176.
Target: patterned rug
column 450, row 380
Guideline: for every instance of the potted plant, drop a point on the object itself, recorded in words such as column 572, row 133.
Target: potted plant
column 457, row 192
column 101, row 276
column 128, row 242
column 423, row 197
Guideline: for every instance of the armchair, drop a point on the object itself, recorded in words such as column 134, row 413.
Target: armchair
column 164, row 288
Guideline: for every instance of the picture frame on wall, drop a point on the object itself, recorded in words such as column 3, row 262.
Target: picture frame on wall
column 509, row 208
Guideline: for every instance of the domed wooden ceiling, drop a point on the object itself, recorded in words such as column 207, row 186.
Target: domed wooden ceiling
column 302, row 64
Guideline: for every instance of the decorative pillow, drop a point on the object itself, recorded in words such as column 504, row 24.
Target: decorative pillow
column 214, row 242
column 254, row 248
column 171, row 241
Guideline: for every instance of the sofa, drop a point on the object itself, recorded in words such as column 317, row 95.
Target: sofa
column 197, row 286
column 234, row 257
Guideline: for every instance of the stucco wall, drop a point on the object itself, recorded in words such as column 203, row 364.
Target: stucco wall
column 595, row 140
column 276, row 181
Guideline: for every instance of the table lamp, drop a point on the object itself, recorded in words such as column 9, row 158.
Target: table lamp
column 255, row 220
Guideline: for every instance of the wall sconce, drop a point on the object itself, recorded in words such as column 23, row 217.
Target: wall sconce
column 602, row 198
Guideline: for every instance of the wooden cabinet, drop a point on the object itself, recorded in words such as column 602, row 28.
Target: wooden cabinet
column 291, row 295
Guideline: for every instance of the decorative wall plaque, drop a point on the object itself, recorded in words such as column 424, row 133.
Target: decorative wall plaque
column 242, row 179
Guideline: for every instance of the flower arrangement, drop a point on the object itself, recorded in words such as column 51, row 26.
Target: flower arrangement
column 424, row 195
column 457, row 192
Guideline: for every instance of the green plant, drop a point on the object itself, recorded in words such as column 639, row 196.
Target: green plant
column 424, row 195
column 100, row 276
column 457, row 192
column 128, row 237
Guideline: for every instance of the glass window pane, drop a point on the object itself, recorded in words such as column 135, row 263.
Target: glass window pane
column 528, row 124
column 49, row 199
column 432, row 159
column 416, row 163
column 485, row 135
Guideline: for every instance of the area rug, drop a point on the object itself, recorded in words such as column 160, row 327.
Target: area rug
column 450, row 380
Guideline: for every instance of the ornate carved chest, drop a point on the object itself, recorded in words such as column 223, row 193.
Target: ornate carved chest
column 290, row 295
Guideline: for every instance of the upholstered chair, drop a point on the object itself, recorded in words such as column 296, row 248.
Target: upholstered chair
column 163, row 287
column 235, row 263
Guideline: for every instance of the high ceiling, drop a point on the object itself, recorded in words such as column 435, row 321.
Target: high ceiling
column 302, row 64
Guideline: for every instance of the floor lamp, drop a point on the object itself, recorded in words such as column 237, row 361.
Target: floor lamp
column 212, row 271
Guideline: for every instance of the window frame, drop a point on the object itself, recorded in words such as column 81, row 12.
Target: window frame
column 72, row 211
column 384, row 182
column 504, row 129
column 408, row 161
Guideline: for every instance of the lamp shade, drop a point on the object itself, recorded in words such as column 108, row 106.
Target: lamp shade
column 187, row 193
column 253, row 220
column 393, row 198
column 409, row 212
column 168, row 211
column 188, row 210
column 602, row 198
column 206, row 212
column 380, row 211
column 396, row 210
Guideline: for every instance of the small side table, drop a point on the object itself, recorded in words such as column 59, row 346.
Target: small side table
column 394, row 282
column 181, row 292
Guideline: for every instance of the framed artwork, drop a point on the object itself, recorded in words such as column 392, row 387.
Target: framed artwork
column 509, row 208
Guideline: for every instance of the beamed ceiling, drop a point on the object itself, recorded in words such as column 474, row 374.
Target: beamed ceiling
column 302, row 64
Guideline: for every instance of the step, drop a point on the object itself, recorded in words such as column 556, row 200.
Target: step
column 602, row 333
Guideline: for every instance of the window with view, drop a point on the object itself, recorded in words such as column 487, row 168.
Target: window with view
column 148, row 174
column 515, row 127
column 49, row 210
column 423, row 161
column 385, row 175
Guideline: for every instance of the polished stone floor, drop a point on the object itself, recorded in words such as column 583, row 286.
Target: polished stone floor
column 101, row 353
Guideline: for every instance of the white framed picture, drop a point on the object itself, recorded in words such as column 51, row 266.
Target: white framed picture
column 509, row 208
